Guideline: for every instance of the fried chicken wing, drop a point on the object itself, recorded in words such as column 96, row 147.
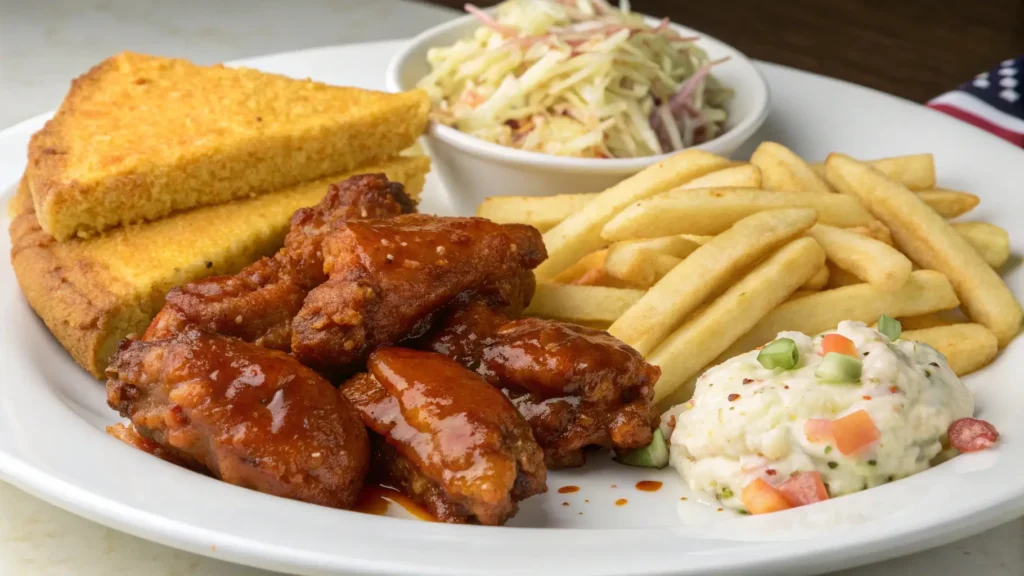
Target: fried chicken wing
column 447, row 438
column 577, row 387
column 253, row 417
column 258, row 304
column 471, row 320
column 390, row 279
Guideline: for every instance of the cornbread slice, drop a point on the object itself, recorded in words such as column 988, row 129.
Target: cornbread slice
column 139, row 137
column 93, row 292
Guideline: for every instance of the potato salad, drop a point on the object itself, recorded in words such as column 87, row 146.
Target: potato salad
column 807, row 418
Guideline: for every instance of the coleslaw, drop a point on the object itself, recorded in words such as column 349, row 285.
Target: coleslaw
column 577, row 78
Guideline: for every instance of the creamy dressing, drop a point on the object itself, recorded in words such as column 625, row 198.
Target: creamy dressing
column 745, row 421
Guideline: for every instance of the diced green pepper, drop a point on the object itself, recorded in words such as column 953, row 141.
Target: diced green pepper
column 781, row 353
column 838, row 368
column 891, row 327
column 654, row 455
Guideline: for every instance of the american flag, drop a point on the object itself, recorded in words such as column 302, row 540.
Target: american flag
column 992, row 101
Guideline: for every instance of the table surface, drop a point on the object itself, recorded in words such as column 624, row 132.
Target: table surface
column 43, row 44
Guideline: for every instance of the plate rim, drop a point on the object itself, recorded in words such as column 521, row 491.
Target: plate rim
column 173, row 533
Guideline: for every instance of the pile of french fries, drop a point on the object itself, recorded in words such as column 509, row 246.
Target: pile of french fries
column 697, row 258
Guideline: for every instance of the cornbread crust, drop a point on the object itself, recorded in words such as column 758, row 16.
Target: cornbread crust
column 21, row 202
column 91, row 293
column 140, row 137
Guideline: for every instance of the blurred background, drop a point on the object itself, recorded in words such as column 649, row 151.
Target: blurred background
column 913, row 48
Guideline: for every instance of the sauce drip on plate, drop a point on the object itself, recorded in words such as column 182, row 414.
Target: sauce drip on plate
column 568, row 489
column 648, row 485
column 376, row 499
column 621, row 502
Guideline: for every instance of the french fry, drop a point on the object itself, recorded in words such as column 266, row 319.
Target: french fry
column 679, row 246
column 925, row 291
column 541, row 212
column 818, row 281
column 644, row 262
column 590, row 271
column 932, row 243
column 915, row 171
column 837, row 277
column 741, row 176
column 876, row 262
column 584, row 304
column 580, row 233
column 644, row 266
column 967, row 347
column 875, row 230
column 701, row 239
column 601, row 277
column 990, row 241
column 949, row 203
column 728, row 317
column 714, row 210
column 545, row 212
column 783, row 170
column 587, row 264
column 933, row 319
column 704, row 272
column 801, row 293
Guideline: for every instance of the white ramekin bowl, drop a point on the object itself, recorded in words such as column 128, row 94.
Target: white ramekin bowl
column 473, row 169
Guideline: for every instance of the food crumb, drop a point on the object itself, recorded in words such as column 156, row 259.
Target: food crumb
column 721, row 509
column 621, row 502
column 565, row 503
column 683, row 498
column 613, row 486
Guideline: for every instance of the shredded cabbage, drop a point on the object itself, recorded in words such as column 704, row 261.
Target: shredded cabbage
column 576, row 78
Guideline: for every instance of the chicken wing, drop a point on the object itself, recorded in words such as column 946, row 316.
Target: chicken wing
column 258, row 304
column 577, row 387
column 471, row 320
column 447, row 438
column 390, row 279
column 251, row 416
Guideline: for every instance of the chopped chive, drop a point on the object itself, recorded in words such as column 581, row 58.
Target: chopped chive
column 833, row 465
column 828, row 449
column 781, row 353
column 872, row 462
column 727, row 493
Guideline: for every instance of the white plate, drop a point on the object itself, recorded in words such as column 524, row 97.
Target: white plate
column 52, row 417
